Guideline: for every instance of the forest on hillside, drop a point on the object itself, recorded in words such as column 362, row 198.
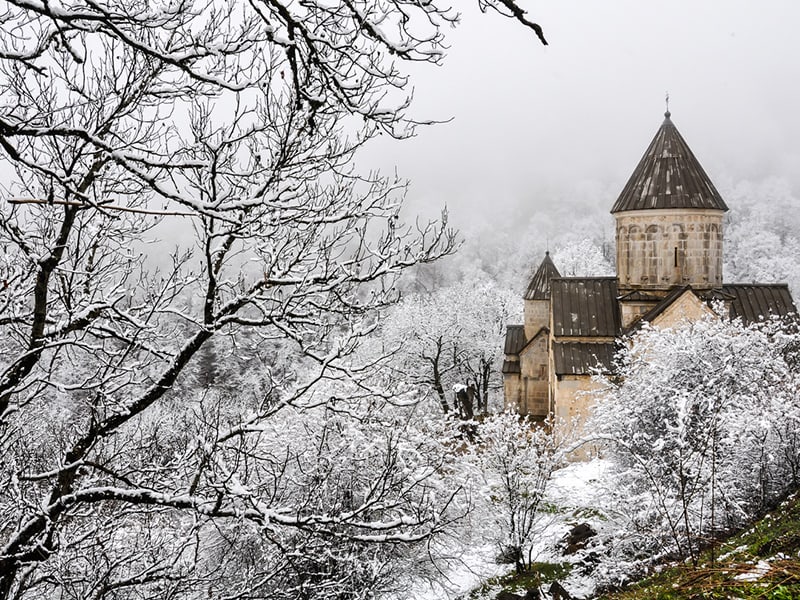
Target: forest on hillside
column 229, row 368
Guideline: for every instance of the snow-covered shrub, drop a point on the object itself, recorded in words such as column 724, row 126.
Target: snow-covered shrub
column 353, row 480
column 516, row 459
column 701, row 420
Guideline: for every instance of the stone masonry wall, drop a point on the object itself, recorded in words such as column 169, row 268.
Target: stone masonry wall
column 658, row 249
column 537, row 315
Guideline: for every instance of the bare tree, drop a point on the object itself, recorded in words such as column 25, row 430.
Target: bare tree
column 120, row 122
column 451, row 337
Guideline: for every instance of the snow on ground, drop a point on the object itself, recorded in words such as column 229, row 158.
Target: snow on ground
column 574, row 492
column 578, row 490
column 579, row 485
column 475, row 566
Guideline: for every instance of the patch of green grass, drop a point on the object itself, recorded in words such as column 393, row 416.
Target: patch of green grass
column 588, row 514
column 774, row 539
column 539, row 573
column 550, row 508
column 549, row 572
column 778, row 532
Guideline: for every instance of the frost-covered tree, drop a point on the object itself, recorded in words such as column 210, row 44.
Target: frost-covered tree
column 761, row 239
column 232, row 125
column 702, row 421
column 583, row 258
column 515, row 458
column 451, row 337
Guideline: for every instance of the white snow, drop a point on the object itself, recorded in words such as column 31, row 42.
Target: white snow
column 575, row 489
column 756, row 573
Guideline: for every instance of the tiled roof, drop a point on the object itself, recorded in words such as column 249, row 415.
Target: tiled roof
column 751, row 301
column 581, row 358
column 668, row 176
column 539, row 286
column 756, row 301
column 515, row 339
column 511, row 366
column 585, row 307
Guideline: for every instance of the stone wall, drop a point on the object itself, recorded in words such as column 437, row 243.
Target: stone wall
column 686, row 308
column 511, row 391
column 571, row 400
column 658, row 249
column 537, row 315
column 631, row 311
column 534, row 378
column 572, row 409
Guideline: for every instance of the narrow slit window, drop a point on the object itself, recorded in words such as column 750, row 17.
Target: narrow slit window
column 676, row 256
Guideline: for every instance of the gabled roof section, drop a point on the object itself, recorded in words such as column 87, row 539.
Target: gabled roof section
column 757, row 301
column 515, row 339
column 585, row 307
column 668, row 176
column 668, row 300
column 582, row 358
column 542, row 331
column 539, row 286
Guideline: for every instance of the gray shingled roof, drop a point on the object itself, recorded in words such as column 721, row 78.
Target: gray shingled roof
column 668, row 176
column 515, row 339
column 581, row 358
column 585, row 307
column 511, row 366
column 539, row 286
column 755, row 302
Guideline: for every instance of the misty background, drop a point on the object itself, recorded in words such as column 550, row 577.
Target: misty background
column 542, row 139
column 536, row 142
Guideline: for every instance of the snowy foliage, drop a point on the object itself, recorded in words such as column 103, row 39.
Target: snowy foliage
column 453, row 336
column 761, row 236
column 702, row 421
column 583, row 258
column 516, row 458
column 163, row 424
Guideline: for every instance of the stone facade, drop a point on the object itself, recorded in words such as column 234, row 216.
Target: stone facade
column 534, row 377
column 537, row 316
column 659, row 249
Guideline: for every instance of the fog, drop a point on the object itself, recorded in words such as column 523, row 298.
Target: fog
column 532, row 125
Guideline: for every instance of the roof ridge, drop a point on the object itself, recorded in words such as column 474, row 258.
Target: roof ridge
column 573, row 278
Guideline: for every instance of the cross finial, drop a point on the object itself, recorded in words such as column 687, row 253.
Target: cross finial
column 666, row 101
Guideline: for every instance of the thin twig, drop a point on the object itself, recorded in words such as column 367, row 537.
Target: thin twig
column 141, row 211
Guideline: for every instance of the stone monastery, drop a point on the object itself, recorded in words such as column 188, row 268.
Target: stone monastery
column 669, row 268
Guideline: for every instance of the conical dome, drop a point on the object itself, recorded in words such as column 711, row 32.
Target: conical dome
column 668, row 176
column 539, row 287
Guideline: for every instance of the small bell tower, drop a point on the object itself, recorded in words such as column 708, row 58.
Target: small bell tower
column 537, row 297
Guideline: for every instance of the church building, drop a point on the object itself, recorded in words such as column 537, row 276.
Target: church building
column 669, row 223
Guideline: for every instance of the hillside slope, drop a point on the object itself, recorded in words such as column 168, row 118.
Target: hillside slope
column 762, row 563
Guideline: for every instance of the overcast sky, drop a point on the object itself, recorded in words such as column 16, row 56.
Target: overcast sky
column 532, row 123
